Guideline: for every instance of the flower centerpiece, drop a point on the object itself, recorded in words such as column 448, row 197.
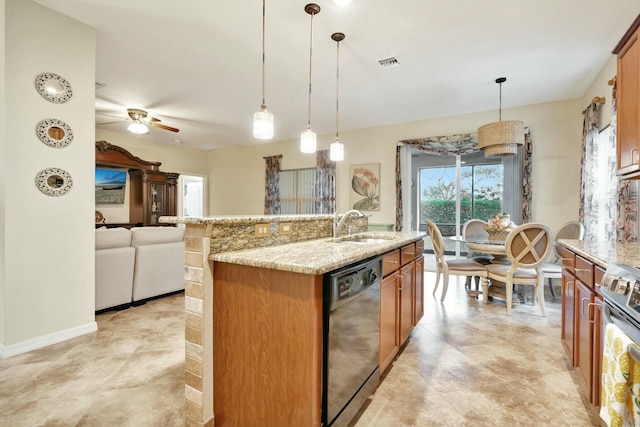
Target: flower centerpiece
column 499, row 226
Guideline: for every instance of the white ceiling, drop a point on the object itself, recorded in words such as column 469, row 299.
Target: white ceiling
column 196, row 65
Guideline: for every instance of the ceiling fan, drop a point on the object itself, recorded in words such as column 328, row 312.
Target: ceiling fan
column 141, row 120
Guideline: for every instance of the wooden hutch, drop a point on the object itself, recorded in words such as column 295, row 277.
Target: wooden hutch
column 152, row 193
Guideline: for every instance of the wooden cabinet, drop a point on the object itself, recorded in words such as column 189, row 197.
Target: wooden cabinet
column 389, row 340
column 628, row 99
column 407, row 279
column 581, row 321
column 401, row 298
column 153, row 194
column 583, row 330
column 568, row 304
column 418, row 300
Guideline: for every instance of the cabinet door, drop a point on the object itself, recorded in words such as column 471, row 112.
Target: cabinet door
column 407, row 278
column 158, row 205
column 389, row 305
column 583, row 342
column 568, row 304
column 418, row 302
column 628, row 96
column 597, row 350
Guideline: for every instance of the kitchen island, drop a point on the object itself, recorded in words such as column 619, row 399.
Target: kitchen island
column 254, row 321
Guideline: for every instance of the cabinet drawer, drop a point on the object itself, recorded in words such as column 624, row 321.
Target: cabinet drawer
column 390, row 262
column 568, row 260
column 419, row 247
column 584, row 271
column 407, row 253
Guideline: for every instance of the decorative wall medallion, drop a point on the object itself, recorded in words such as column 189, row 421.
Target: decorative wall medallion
column 53, row 88
column 54, row 181
column 54, row 133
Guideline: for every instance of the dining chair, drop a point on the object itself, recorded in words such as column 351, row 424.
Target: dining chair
column 553, row 268
column 456, row 267
column 527, row 246
column 474, row 228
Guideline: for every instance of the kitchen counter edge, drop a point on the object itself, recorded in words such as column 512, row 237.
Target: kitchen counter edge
column 321, row 255
column 602, row 253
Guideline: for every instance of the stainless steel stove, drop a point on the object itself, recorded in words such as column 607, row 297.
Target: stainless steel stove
column 620, row 289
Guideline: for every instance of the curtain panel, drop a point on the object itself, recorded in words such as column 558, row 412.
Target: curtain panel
column 589, row 131
column 399, row 216
column 325, row 183
column 272, row 185
column 527, row 183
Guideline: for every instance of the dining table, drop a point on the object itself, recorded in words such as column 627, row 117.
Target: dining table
column 496, row 248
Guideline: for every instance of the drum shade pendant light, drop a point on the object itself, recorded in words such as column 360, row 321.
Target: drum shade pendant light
column 263, row 120
column 308, row 137
column 336, row 150
column 501, row 139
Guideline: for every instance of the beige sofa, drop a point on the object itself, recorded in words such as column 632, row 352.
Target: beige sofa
column 114, row 268
column 159, row 267
column 135, row 265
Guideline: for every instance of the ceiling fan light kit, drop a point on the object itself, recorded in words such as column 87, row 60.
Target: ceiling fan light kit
column 308, row 137
column 501, row 139
column 336, row 150
column 263, row 120
column 138, row 128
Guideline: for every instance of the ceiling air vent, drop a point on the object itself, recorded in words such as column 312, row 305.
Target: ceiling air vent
column 100, row 85
column 389, row 62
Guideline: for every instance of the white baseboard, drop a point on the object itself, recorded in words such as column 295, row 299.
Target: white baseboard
column 45, row 340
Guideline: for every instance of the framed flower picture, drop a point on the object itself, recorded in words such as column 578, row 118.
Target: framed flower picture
column 365, row 187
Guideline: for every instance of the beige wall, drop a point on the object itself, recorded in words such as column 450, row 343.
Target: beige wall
column 48, row 253
column 556, row 130
column 174, row 158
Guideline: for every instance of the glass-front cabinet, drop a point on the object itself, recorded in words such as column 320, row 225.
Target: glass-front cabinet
column 153, row 194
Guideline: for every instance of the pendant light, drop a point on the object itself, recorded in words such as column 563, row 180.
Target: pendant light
column 263, row 120
column 336, row 150
column 501, row 139
column 308, row 137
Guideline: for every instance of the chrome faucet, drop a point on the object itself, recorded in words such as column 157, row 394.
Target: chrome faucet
column 337, row 225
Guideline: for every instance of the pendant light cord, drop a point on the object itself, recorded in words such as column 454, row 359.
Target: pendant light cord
column 263, row 106
column 500, row 110
column 337, row 85
column 310, row 55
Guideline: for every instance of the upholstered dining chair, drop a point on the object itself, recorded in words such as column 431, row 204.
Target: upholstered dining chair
column 474, row 228
column 553, row 268
column 457, row 267
column 527, row 246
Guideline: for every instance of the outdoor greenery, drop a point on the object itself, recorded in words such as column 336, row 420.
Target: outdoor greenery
column 480, row 191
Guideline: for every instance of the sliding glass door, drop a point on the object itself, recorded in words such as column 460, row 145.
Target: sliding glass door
column 454, row 189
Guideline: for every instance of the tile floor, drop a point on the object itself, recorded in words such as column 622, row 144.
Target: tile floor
column 466, row 364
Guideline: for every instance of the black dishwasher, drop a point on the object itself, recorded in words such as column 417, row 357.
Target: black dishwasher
column 351, row 339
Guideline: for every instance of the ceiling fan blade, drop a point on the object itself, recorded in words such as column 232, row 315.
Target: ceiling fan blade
column 169, row 128
column 112, row 123
column 110, row 115
column 153, row 120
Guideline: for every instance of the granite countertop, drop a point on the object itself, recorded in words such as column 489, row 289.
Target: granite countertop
column 321, row 255
column 603, row 253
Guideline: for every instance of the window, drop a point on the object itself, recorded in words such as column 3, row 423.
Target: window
column 298, row 191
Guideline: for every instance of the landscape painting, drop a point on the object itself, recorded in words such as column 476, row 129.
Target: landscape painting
column 365, row 187
column 110, row 186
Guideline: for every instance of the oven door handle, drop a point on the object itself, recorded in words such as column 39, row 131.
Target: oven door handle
column 634, row 352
